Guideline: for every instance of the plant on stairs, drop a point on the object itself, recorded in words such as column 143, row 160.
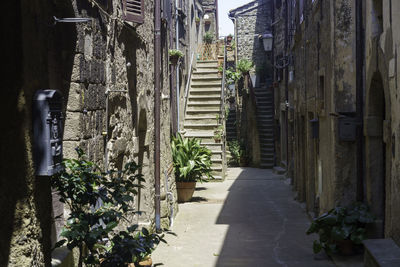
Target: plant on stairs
column 192, row 162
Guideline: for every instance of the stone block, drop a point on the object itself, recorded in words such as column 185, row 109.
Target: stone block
column 381, row 252
column 72, row 128
column 74, row 97
column 69, row 149
column 76, row 75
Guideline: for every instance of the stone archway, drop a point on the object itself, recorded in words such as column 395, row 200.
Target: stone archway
column 375, row 152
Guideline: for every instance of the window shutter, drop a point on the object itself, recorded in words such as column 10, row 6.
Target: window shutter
column 133, row 10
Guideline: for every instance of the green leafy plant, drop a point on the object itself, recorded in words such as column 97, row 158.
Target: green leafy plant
column 97, row 202
column 235, row 150
column 339, row 224
column 230, row 35
column 197, row 19
column 244, row 66
column 218, row 133
column 192, row 161
column 175, row 53
column 208, row 37
column 131, row 246
column 232, row 76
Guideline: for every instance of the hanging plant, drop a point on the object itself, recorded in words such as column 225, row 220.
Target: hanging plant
column 174, row 56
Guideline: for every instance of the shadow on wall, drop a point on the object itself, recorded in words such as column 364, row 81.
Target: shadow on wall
column 38, row 56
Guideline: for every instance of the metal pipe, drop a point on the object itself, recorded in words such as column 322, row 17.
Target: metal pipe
column 360, row 99
column 177, row 65
column 157, row 96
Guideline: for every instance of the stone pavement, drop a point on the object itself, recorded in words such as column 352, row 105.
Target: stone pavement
column 249, row 220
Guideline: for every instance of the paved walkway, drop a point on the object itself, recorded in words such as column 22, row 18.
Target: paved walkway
column 249, row 220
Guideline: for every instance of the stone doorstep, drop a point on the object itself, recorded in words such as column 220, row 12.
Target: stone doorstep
column 279, row 170
column 381, row 252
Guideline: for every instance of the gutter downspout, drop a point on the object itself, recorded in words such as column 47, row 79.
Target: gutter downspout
column 177, row 65
column 157, row 96
column 360, row 98
column 287, row 90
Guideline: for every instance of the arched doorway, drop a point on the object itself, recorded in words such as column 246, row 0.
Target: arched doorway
column 375, row 153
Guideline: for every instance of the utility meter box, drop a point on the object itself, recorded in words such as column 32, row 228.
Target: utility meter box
column 347, row 129
column 47, row 132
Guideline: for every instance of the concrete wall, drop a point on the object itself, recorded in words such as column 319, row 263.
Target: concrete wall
column 83, row 61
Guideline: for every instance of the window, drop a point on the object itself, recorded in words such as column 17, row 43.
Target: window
column 133, row 10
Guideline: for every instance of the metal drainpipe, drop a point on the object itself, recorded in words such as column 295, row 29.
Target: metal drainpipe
column 177, row 65
column 157, row 85
column 287, row 89
column 360, row 99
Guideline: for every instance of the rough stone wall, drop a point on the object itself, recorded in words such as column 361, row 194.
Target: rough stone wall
column 83, row 61
column 381, row 119
column 253, row 20
column 209, row 8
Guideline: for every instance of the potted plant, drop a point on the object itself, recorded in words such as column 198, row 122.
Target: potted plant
column 192, row 162
column 197, row 20
column 174, row 56
column 131, row 248
column 229, row 39
column 341, row 229
column 97, row 202
column 208, row 37
column 244, row 66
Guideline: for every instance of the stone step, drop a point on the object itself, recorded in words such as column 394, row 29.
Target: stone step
column 204, row 97
column 202, row 72
column 209, row 84
column 195, row 126
column 202, row 110
column 206, row 79
column 205, row 103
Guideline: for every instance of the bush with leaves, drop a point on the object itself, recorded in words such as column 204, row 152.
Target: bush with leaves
column 192, row 161
column 235, row 150
column 97, row 201
column 244, row 66
column 338, row 224
column 232, row 76
column 208, row 37
column 130, row 247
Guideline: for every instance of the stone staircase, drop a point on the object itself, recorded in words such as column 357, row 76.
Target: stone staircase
column 231, row 133
column 265, row 123
column 203, row 107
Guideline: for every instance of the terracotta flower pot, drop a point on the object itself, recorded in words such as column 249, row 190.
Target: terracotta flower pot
column 174, row 60
column 185, row 190
column 346, row 247
column 145, row 263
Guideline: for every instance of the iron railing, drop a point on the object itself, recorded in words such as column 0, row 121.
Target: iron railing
column 208, row 51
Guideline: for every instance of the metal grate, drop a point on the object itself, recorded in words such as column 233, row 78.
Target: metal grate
column 208, row 52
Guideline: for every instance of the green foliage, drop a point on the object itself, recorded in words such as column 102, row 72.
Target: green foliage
column 230, row 35
column 98, row 202
column 234, row 148
column 208, row 37
column 128, row 247
column 219, row 133
column 197, row 19
column 175, row 53
column 244, row 66
column 340, row 223
column 191, row 160
column 232, row 76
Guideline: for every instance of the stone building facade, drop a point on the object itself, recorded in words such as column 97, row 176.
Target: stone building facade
column 251, row 22
column 104, row 69
column 335, row 104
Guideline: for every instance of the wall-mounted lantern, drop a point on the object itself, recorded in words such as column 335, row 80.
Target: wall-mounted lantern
column 267, row 41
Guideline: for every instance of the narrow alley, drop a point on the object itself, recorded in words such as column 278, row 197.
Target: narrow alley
column 250, row 219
